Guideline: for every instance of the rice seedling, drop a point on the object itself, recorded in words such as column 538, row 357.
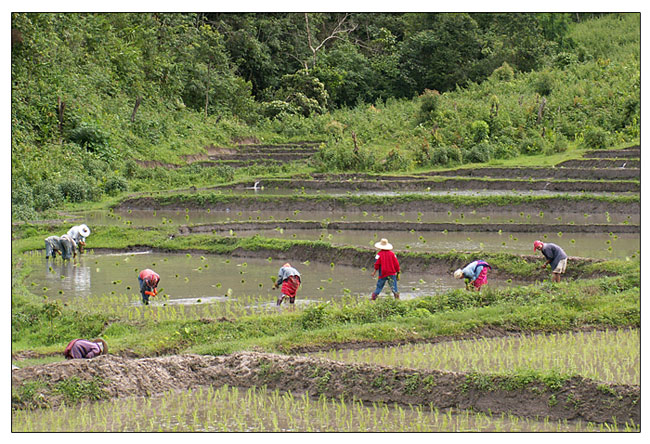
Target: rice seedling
column 232, row 409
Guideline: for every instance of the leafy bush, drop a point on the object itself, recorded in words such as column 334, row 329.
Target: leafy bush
column 74, row 190
column 115, row 185
column 429, row 103
column 342, row 158
column 22, row 212
column 446, row 155
column 596, row 138
column 478, row 153
column 48, row 195
column 504, row 73
column 396, row 160
column 544, row 83
column 533, row 144
column 505, row 150
column 480, row 131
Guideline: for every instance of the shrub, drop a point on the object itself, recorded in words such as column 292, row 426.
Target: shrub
column 74, row 190
column 504, row 73
column 506, row 151
column 480, row 131
column 22, row 212
column 596, row 138
column 429, row 104
column 115, row 184
column 48, row 195
column 533, row 144
column 478, row 153
column 560, row 144
column 395, row 161
column 343, row 158
column 445, row 155
column 544, row 83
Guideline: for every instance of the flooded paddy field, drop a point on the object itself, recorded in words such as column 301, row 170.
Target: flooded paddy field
column 613, row 355
column 137, row 217
column 200, row 280
column 231, row 409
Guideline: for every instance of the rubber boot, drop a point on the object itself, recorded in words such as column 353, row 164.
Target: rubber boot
column 396, row 295
column 373, row 296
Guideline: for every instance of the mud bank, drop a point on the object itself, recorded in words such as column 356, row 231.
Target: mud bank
column 218, row 202
column 450, row 184
column 546, row 173
column 632, row 152
column 601, row 163
column 408, row 226
column 575, row 398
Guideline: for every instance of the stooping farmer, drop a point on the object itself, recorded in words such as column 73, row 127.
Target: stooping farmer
column 388, row 266
column 53, row 246
column 68, row 247
column 290, row 280
column 554, row 255
column 475, row 274
column 148, row 280
column 79, row 233
column 84, row 349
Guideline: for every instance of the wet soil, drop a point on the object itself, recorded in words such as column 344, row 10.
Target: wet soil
column 576, row 398
column 632, row 152
column 409, row 226
column 546, row 173
column 293, row 203
column 601, row 163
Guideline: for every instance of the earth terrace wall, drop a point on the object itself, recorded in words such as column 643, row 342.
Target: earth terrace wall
column 574, row 398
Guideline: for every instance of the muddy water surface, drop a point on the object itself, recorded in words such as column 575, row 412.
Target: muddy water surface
column 212, row 278
column 168, row 217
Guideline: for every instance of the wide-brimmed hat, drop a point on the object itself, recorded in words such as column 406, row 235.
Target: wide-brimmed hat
column 383, row 245
column 458, row 273
column 84, row 230
column 102, row 344
column 538, row 245
column 287, row 264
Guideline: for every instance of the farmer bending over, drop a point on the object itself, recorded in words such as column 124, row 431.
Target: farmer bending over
column 84, row 349
column 388, row 267
column 289, row 278
column 475, row 274
column 554, row 255
column 53, row 246
column 79, row 233
column 69, row 247
column 149, row 280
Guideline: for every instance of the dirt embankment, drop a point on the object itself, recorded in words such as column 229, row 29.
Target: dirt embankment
column 627, row 153
column 601, row 163
column 546, row 173
column 409, row 226
column 452, row 184
column 292, row 203
column 576, row 398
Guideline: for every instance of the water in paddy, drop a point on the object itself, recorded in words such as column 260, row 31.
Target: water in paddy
column 212, row 278
column 612, row 356
column 592, row 245
column 171, row 217
column 230, row 409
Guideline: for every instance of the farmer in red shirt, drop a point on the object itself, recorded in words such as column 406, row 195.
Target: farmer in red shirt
column 388, row 267
column 148, row 282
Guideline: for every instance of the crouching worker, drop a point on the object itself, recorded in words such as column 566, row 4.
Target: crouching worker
column 79, row 233
column 388, row 267
column 53, row 246
column 84, row 349
column 475, row 274
column 149, row 280
column 68, row 247
column 289, row 278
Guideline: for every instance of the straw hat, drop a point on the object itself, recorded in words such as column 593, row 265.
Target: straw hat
column 458, row 273
column 84, row 230
column 383, row 245
column 102, row 344
column 286, row 265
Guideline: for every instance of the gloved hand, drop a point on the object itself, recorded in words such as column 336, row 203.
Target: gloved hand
column 398, row 275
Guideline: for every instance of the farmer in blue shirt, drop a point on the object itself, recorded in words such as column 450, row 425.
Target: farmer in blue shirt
column 554, row 255
column 475, row 274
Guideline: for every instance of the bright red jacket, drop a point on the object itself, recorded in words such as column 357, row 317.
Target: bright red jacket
column 387, row 263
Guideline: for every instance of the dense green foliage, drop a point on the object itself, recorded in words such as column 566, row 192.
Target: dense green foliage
column 93, row 92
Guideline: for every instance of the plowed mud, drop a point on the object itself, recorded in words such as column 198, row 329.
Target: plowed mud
column 576, row 398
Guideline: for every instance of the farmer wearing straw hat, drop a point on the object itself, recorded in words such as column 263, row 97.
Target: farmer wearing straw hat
column 554, row 255
column 84, row 349
column 475, row 274
column 79, row 233
column 290, row 280
column 388, row 266
column 148, row 280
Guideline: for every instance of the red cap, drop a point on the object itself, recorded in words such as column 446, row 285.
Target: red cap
column 537, row 245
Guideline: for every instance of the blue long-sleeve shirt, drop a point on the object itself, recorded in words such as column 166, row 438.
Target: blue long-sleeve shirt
column 472, row 270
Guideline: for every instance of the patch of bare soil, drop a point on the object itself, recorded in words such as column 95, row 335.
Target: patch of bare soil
column 408, row 226
column 577, row 398
column 551, row 204
column 545, row 173
column 601, row 163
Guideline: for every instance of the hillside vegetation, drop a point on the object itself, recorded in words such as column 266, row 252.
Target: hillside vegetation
column 93, row 93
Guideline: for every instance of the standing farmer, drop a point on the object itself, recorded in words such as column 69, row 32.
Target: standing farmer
column 475, row 274
column 554, row 255
column 84, row 349
column 79, row 233
column 289, row 278
column 148, row 283
column 388, row 267
column 53, row 246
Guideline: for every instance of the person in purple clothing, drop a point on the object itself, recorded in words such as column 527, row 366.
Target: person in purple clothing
column 84, row 349
column 554, row 255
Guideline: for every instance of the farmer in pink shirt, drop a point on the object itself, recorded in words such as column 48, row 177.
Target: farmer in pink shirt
column 84, row 349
